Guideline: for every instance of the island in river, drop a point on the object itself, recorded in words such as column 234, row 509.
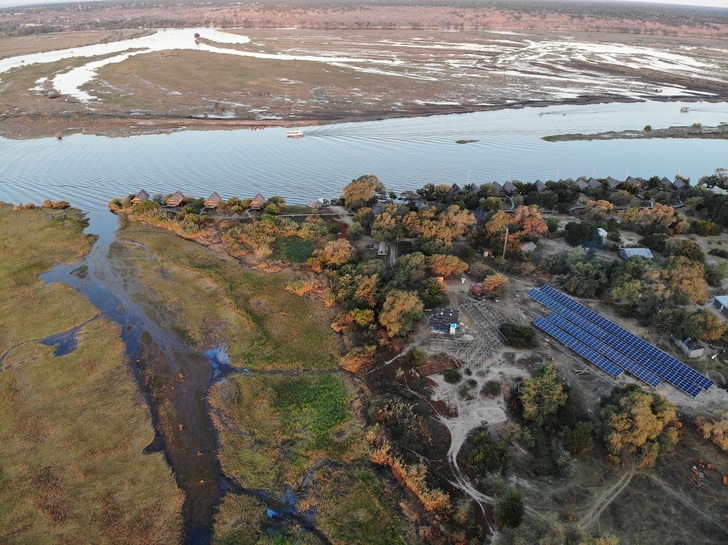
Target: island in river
column 696, row 130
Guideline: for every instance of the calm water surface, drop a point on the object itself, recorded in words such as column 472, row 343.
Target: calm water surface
column 404, row 153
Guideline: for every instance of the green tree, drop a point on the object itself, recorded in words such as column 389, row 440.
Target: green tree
column 488, row 456
column 578, row 233
column 542, row 394
column 411, row 268
column 509, row 508
column 399, row 313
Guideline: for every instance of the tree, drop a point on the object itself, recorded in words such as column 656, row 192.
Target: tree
column 509, row 508
column 682, row 280
column 400, row 311
column 411, row 268
column 388, row 225
column 686, row 248
column 362, row 191
column 530, row 221
column 446, row 265
column 542, row 394
column 488, row 456
column 638, row 423
column 359, row 359
column 578, row 233
column 715, row 430
column 495, row 284
column 335, row 253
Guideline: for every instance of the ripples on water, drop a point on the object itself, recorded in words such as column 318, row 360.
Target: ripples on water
column 404, row 153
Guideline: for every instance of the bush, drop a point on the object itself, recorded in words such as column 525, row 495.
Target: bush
column 509, row 509
column 518, row 336
column 488, row 456
column 452, row 376
column 491, row 388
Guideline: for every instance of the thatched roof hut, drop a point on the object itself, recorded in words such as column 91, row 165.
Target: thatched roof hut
column 176, row 199
column 213, row 200
column 141, row 196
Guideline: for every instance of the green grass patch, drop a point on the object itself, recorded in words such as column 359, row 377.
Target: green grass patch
column 293, row 249
column 311, row 407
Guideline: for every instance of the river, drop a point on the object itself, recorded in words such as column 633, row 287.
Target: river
column 89, row 170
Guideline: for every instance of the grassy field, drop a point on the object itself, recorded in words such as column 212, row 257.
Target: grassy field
column 73, row 427
column 212, row 297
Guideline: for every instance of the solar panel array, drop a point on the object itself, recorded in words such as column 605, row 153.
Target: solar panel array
column 609, row 346
column 642, row 345
column 584, row 351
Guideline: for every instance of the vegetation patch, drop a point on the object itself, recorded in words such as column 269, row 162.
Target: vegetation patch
column 293, row 249
column 72, row 428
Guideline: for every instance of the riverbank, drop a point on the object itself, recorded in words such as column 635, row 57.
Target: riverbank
column 696, row 130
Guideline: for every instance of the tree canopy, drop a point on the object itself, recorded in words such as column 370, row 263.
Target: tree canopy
column 363, row 191
column 638, row 424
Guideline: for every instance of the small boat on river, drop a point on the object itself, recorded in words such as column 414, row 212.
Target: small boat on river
column 295, row 133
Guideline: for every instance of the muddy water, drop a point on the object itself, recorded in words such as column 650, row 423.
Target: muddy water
column 173, row 378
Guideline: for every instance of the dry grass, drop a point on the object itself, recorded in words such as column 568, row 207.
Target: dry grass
column 25, row 45
column 72, row 428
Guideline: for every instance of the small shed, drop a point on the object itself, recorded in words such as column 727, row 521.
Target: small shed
column 626, row 253
column 176, row 199
column 383, row 249
column 213, row 201
column 721, row 303
column 141, row 196
column 528, row 247
column 258, row 202
column 445, row 320
column 691, row 348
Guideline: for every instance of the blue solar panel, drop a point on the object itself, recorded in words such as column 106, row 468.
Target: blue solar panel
column 659, row 362
column 634, row 354
column 650, row 350
column 578, row 347
column 631, row 366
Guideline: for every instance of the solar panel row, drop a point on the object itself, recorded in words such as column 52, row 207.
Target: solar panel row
column 578, row 347
column 632, row 367
column 662, row 357
column 631, row 353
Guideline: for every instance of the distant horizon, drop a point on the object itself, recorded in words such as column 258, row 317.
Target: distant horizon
column 691, row 3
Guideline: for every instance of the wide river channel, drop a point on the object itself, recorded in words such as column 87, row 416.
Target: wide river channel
column 405, row 153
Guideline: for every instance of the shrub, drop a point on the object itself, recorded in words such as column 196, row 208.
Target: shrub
column 452, row 376
column 491, row 388
column 518, row 336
